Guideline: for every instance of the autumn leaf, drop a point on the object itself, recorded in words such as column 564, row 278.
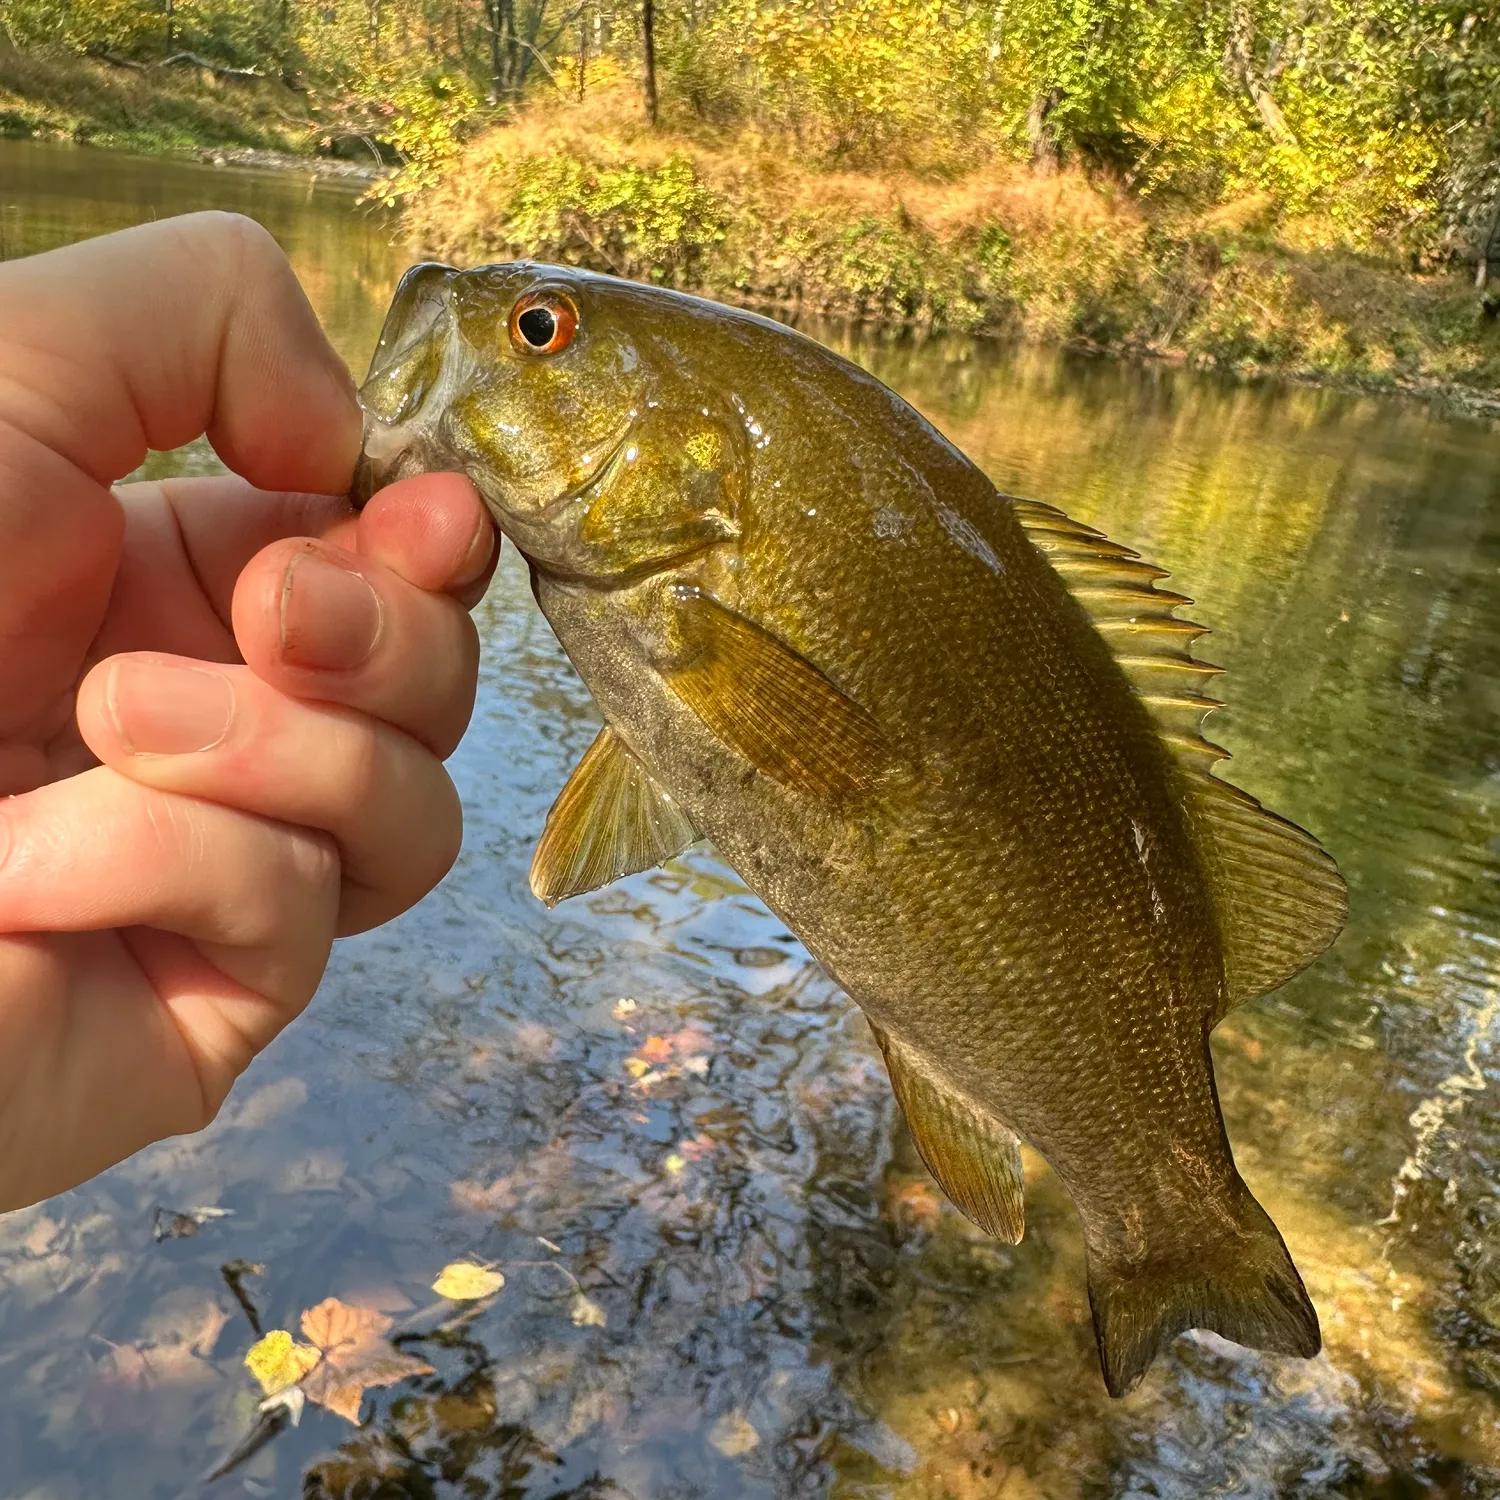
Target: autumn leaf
column 674, row 1163
column 733, row 1435
column 356, row 1356
column 637, row 1067
column 278, row 1361
column 656, row 1049
column 625, row 1007
column 587, row 1313
column 463, row 1281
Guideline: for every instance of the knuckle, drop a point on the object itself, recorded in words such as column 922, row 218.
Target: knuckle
column 313, row 863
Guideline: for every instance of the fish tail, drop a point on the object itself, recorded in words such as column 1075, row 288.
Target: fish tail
column 1241, row 1284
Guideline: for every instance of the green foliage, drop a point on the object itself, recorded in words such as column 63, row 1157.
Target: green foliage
column 648, row 222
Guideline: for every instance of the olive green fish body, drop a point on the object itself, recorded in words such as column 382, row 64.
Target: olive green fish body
column 819, row 637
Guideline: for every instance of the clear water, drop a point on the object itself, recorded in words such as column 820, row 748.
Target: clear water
column 789, row 1311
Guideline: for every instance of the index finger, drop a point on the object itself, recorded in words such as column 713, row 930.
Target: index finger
column 143, row 339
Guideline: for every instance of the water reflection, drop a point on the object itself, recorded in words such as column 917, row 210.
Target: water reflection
column 654, row 1090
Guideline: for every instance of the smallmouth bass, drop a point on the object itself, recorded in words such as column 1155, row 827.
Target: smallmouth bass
column 952, row 738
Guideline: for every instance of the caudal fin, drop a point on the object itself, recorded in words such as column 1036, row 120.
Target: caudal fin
column 1242, row 1285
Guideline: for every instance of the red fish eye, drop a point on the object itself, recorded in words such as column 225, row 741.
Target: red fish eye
column 542, row 323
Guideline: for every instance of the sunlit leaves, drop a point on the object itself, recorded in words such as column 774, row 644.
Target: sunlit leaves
column 585, row 1312
column 278, row 1360
column 345, row 1355
column 463, row 1281
column 355, row 1356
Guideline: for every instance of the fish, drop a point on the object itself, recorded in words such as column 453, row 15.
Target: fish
column 952, row 737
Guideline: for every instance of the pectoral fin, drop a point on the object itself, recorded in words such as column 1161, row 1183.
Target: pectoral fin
column 976, row 1160
column 610, row 820
column 772, row 705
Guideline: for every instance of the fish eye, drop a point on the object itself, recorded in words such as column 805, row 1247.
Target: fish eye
column 542, row 323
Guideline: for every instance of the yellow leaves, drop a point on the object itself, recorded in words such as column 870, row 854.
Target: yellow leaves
column 585, row 1312
column 346, row 1355
column 463, row 1281
column 637, row 1067
column 733, row 1435
column 278, row 1361
column 674, row 1164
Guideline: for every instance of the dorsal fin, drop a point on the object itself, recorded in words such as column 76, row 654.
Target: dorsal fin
column 1277, row 893
column 976, row 1160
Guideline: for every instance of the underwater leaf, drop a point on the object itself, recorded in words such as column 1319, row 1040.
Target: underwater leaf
column 169, row 1224
column 463, row 1281
column 356, row 1356
column 733, row 1436
column 637, row 1067
column 587, row 1313
column 625, row 1007
column 656, row 1049
column 674, row 1164
column 278, row 1361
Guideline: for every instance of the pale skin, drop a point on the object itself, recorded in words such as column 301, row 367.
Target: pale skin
column 224, row 703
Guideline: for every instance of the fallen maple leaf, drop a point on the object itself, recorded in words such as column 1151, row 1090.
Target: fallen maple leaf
column 355, row 1356
column 463, row 1281
column 278, row 1360
column 656, row 1049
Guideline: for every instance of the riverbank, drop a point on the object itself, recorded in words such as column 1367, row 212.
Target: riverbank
column 61, row 96
column 1061, row 258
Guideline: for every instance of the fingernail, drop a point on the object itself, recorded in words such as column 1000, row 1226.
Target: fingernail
column 160, row 708
column 477, row 558
column 330, row 616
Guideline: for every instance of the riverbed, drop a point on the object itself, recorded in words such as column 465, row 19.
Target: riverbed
column 727, row 1274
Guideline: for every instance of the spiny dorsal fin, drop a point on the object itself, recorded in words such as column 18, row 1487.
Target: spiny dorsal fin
column 610, row 820
column 976, row 1160
column 1278, row 895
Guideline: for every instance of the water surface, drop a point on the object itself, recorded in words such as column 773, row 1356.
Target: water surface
column 653, row 1099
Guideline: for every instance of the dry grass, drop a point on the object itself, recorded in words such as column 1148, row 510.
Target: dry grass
column 61, row 96
column 999, row 250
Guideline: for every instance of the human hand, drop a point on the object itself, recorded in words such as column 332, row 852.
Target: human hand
column 221, row 740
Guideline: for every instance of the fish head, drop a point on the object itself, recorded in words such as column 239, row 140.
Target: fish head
column 558, row 394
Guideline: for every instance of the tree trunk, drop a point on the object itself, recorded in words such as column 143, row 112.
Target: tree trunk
column 497, row 55
column 583, row 50
column 1239, row 64
column 648, row 58
column 1045, row 158
column 1489, row 248
column 171, row 26
column 512, row 46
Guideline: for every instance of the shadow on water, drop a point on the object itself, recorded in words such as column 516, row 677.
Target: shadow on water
column 727, row 1274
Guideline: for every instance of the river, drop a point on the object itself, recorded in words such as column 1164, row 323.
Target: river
column 727, row 1274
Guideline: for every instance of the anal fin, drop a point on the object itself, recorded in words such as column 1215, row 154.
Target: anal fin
column 610, row 820
column 976, row 1159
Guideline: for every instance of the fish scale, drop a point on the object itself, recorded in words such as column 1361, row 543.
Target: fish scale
column 953, row 739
